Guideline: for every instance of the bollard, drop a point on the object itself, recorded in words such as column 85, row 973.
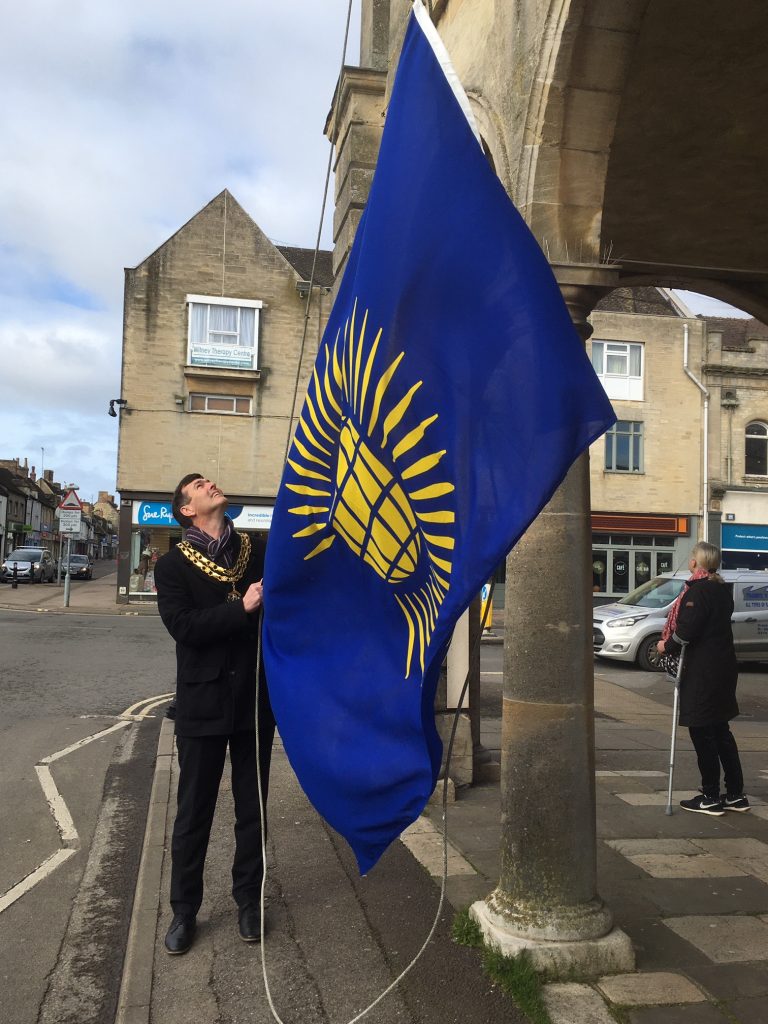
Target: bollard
column 15, row 581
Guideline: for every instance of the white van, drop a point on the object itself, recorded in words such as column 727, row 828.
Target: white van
column 630, row 629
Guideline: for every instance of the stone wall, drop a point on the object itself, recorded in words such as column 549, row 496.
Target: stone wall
column 219, row 252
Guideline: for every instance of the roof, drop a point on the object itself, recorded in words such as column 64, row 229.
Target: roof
column 737, row 332
column 646, row 300
column 301, row 261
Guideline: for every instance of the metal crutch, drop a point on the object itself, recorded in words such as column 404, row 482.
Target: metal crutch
column 675, row 713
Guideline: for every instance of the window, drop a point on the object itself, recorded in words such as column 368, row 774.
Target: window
column 624, row 447
column 619, row 365
column 756, row 450
column 622, row 562
column 232, row 405
column 223, row 332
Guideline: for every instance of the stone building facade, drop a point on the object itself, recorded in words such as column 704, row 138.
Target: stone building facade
column 646, row 476
column 736, row 374
column 212, row 338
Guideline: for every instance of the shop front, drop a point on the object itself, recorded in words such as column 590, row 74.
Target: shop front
column 745, row 546
column 154, row 531
column 629, row 550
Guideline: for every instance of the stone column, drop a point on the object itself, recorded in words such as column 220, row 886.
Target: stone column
column 547, row 900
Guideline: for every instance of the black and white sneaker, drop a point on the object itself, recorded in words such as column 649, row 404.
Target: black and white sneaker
column 704, row 805
column 735, row 803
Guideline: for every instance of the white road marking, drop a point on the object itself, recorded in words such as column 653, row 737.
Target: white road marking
column 46, row 868
column 81, row 743
column 58, row 807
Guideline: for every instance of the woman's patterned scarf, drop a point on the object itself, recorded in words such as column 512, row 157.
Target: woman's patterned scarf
column 217, row 548
column 671, row 624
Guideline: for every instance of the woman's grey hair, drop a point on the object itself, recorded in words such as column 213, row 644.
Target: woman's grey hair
column 707, row 556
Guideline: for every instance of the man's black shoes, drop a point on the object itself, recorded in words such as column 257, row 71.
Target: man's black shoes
column 181, row 934
column 249, row 922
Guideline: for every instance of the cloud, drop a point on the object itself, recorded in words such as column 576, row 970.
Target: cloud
column 119, row 122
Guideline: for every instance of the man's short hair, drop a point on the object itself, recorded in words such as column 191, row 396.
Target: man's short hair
column 180, row 498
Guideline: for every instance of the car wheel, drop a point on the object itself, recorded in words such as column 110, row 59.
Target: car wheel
column 647, row 655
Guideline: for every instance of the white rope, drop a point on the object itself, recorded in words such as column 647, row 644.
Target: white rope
column 441, row 901
column 443, row 883
column 317, row 241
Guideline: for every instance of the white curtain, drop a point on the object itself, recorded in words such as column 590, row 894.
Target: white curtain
column 198, row 323
column 247, row 327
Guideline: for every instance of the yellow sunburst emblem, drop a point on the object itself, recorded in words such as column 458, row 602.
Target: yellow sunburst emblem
column 361, row 476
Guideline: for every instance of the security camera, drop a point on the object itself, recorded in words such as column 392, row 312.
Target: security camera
column 116, row 401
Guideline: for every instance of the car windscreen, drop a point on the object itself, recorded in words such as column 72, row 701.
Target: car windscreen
column 24, row 555
column 656, row 593
column 78, row 560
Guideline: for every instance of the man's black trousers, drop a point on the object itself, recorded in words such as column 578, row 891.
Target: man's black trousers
column 715, row 745
column 201, row 763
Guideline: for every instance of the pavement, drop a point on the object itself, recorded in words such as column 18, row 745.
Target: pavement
column 87, row 597
column 690, row 891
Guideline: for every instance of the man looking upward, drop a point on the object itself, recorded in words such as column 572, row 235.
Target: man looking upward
column 208, row 594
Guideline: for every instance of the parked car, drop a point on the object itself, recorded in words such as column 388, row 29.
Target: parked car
column 630, row 629
column 33, row 565
column 80, row 567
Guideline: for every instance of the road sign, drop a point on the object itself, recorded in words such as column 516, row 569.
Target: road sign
column 69, row 520
column 71, row 501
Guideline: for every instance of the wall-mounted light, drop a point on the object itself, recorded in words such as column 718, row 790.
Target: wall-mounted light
column 121, row 402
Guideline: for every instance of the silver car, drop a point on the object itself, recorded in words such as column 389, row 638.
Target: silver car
column 32, row 565
column 630, row 629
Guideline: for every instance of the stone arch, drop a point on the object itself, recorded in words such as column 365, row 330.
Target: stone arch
column 584, row 55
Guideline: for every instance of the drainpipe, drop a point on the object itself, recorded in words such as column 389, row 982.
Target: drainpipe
column 705, row 438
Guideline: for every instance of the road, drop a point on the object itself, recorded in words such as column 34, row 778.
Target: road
column 64, row 679
column 752, row 690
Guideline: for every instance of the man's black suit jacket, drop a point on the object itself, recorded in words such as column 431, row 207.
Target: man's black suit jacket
column 216, row 646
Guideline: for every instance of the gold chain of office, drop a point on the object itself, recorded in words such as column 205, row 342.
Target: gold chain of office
column 219, row 572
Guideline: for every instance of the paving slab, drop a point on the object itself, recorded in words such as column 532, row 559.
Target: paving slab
column 673, row 865
column 676, row 897
column 732, row 981
column 748, row 1011
column 700, row 1013
column 659, row 948
column 637, row 847
column 724, row 938
column 650, row 988
column 576, row 1004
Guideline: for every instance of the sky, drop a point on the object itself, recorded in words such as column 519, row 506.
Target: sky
column 119, row 122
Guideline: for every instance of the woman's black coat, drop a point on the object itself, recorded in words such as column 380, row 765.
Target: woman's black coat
column 708, row 683
column 216, row 646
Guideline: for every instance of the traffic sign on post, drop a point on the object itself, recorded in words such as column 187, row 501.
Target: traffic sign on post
column 71, row 501
column 70, row 520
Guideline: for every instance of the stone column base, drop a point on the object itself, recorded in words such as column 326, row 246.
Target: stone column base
column 587, row 958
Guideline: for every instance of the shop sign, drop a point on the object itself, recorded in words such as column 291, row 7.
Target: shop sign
column 740, row 537
column 232, row 357
column 154, row 513
column 251, row 517
column 160, row 514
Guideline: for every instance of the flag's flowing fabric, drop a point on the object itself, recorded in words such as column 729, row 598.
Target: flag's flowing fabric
column 449, row 397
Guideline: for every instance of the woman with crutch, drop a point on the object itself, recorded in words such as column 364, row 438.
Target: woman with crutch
column 700, row 618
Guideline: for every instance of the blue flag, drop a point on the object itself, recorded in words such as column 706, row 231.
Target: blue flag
column 450, row 395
